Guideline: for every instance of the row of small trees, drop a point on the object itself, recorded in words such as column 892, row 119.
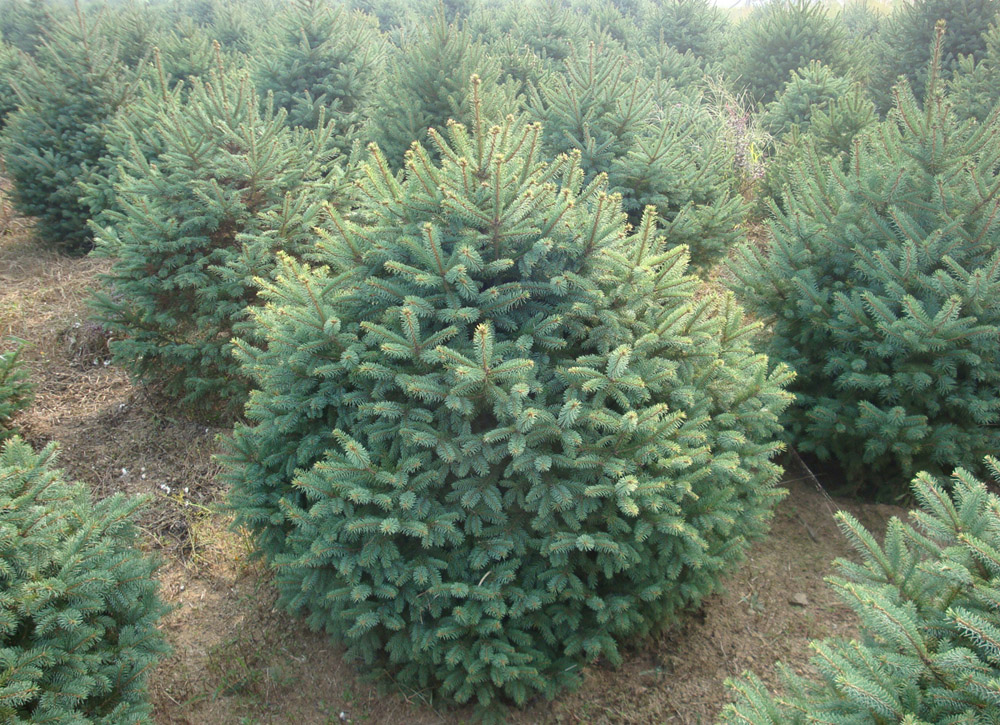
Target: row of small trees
column 493, row 425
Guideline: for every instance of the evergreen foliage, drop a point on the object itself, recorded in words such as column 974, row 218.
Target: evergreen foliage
column 15, row 388
column 682, row 72
column 428, row 84
column 814, row 122
column 10, row 63
column 79, row 603
column 810, row 89
column 323, row 60
column 23, row 22
column 882, row 288
column 927, row 602
column 496, row 433
column 907, row 40
column 781, row 36
column 975, row 85
column 212, row 184
column 696, row 25
column 659, row 150
column 56, row 140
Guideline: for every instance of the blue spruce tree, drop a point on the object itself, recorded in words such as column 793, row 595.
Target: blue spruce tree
column 495, row 433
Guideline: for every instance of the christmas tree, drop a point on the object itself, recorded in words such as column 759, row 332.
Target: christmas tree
column 79, row 603
column 657, row 147
column 929, row 647
column 325, row 63
column 212, row 184
column 496, row 433
column 780, row 36
column 696, row 25
column 975, row 84
column 10, row 63
column 428, row 85
column 880, row 286
column 56, row 140
column 907, row 39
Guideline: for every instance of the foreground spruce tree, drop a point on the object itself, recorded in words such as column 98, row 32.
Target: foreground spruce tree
column 79, row 604
column 67, row 95
column 496, row 434
column 929, row 650
column 212, row 184
column 881, row 285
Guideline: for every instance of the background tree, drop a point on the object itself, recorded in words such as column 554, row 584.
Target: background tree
column 779, row 37
column 880, row 284
column 212, row 185
column 56, row 140
column 429, row 84
column 907, row 40
column 325, row 63
column 657, row 147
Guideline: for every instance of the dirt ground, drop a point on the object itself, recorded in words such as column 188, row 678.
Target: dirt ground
column 237, row 660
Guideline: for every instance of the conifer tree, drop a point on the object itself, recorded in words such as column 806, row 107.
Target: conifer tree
column 324, row 62
column 56, row 140
column 15, row 388
column 814, row 121
column 22, row 22
column 212, row 184
column 975, row 85
column 929, row 650
column 779, row 37
column 907, row 41
column 657, row 150
column 428, row 85
column 809, row 89
column 10, row 63
column 696, row 25
column 881, row 285
column 496, row 433
column 79, row 603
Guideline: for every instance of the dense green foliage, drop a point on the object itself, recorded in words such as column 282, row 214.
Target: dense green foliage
column 494, row 427
column 696, row 25
column 656, row 147
column 78, row 602
column 326, row 63
column 779, row 37
column 56, row 140
column 926, row 599
column 881, row 287
column 429, row 83
column 10, row 62
column 975, row 83
column 813, row 123
column 811, row 88
column 907, row 39
column 497, row 433
column 212, row 185
column 15, row 388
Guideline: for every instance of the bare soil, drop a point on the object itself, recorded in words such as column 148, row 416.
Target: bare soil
column 238, row 660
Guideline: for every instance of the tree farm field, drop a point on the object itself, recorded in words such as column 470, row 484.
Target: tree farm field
column 237, row 660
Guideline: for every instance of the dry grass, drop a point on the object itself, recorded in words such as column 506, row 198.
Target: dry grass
column 237, row 660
